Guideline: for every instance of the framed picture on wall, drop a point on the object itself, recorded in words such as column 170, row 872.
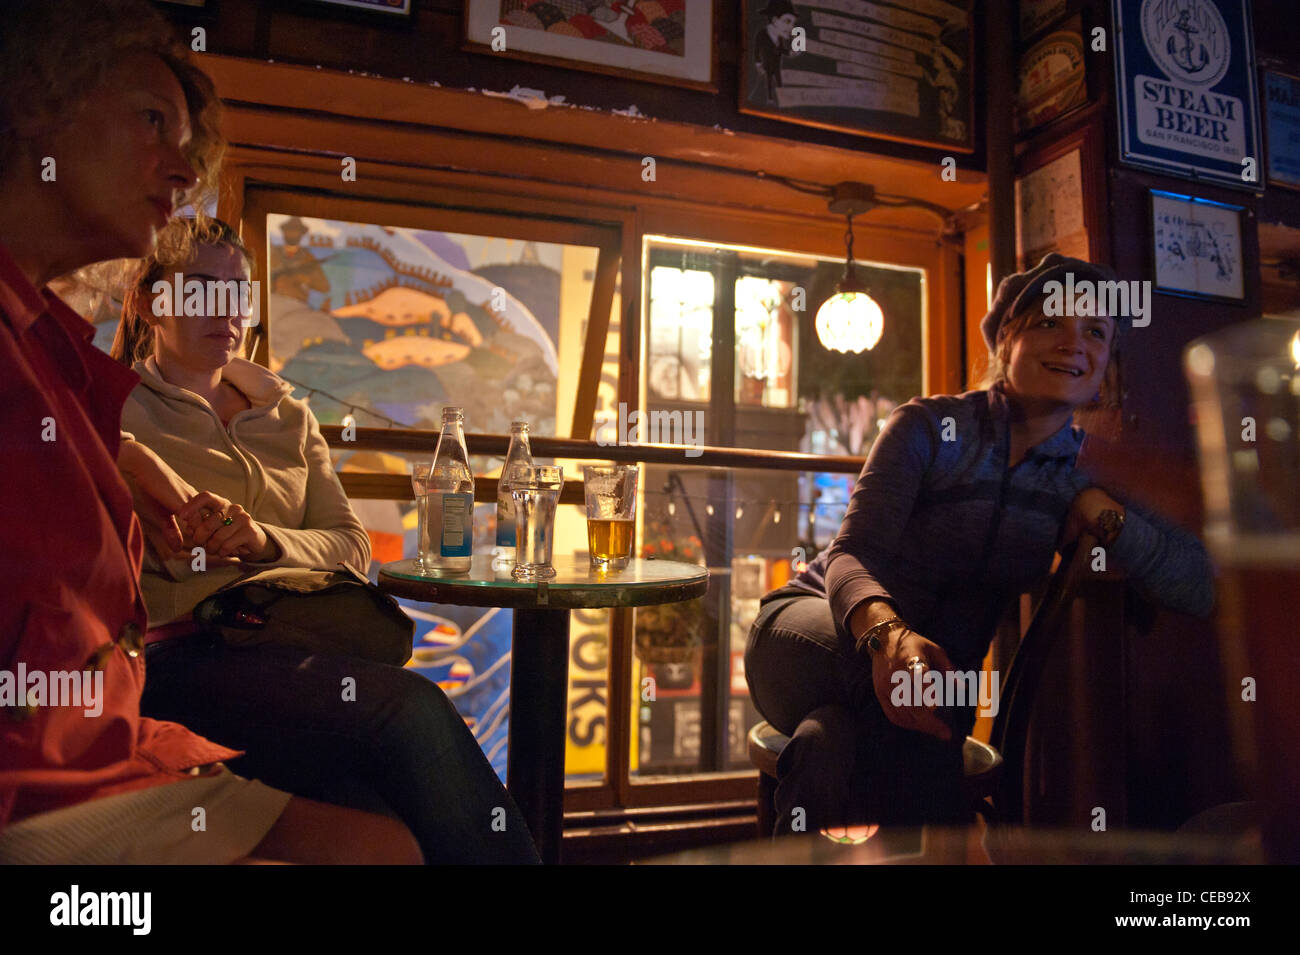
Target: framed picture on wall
column 661, row 41
column 1057, row 199
column 1281, row 95
column 1052, row 78
column 866, row 68
column 1196, row 247
column 402, row 7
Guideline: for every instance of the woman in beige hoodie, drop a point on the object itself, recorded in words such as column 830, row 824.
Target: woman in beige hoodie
column 268, row 496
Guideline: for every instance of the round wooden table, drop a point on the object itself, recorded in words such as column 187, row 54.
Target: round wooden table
column 539, row 660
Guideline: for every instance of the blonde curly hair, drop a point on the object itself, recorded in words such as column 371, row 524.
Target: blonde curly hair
column 54, row 52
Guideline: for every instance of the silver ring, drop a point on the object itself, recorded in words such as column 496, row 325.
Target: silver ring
column 915, row 663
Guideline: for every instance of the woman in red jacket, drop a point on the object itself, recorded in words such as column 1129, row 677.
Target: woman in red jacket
column 107, row 128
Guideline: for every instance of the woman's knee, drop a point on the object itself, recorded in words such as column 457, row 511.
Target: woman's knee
column 793, row 662
column 418, row 711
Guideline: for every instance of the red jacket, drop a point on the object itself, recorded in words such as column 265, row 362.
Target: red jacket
column 70, row 552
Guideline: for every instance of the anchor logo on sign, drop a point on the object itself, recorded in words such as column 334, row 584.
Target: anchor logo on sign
column 1183, row 55
column 1187, row 39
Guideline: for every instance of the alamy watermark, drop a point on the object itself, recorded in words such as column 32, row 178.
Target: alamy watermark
column 1087, row 298
column 75, row 907
column 23, row 688
column 213, row 298
column 654, row 427
column 923, row 687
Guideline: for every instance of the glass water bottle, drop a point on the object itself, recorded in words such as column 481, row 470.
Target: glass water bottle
column 449, row 503
column 518, row 454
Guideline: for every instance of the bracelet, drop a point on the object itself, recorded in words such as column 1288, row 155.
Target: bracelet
column 872, row 637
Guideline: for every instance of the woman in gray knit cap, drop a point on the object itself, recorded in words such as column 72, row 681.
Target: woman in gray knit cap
column 960, row 507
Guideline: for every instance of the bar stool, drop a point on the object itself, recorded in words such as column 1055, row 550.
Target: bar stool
column 992, row 774
column 981, row 770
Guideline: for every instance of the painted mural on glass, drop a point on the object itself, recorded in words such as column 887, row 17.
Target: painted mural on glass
column 391, row 324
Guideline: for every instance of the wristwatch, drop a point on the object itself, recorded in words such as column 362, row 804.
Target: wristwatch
column 1108, row 525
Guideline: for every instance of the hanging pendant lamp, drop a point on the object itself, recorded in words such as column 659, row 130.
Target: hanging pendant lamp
column 850, row 321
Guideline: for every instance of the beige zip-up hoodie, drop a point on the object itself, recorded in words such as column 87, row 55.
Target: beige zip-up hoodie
column 272, row 461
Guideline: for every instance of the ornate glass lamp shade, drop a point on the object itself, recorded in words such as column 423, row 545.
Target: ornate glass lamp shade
column 850, row 321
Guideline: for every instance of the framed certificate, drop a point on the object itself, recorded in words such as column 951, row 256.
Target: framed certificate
column 1196, row 247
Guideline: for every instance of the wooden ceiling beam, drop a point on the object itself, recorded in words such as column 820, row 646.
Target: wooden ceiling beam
column 398, row 108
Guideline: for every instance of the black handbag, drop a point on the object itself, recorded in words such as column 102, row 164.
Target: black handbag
column 326, row 611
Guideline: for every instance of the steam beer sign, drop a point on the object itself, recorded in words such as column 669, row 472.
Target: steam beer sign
column 1185, row 81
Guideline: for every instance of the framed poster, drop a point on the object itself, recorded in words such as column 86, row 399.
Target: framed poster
column 662, row 41
column 1282, row 128
column 1196, row 247
column 402, row 7
column 1050, row 211
column 1052, row 77
column 873, row 69
column 1185, row 83
column 1060, row 198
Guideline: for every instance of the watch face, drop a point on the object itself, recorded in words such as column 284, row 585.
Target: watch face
column 1110, row 522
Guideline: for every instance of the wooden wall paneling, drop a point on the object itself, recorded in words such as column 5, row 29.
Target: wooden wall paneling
column 395, row 104
column 975, row 273
column 944, row 358
column 230, row 194
column 410, row 215
column 522, row 166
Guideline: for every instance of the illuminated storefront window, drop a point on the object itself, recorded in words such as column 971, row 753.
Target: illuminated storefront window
column 788, row 394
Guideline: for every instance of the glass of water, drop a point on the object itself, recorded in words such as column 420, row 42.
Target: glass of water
column 536, row 491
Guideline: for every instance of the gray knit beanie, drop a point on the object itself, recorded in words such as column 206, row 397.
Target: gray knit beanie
column 1022, row 287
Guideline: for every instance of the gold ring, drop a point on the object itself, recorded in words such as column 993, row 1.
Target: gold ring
column 915, row 663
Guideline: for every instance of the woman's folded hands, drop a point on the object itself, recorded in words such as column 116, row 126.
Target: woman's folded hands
column 176, row 517
column 225, row 529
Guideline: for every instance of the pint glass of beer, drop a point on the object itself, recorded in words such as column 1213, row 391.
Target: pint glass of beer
column 611, row 514
column 1245, row 389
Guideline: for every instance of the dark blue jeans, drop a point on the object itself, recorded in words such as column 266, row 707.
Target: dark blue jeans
column 846, row 763
column 391, row 742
